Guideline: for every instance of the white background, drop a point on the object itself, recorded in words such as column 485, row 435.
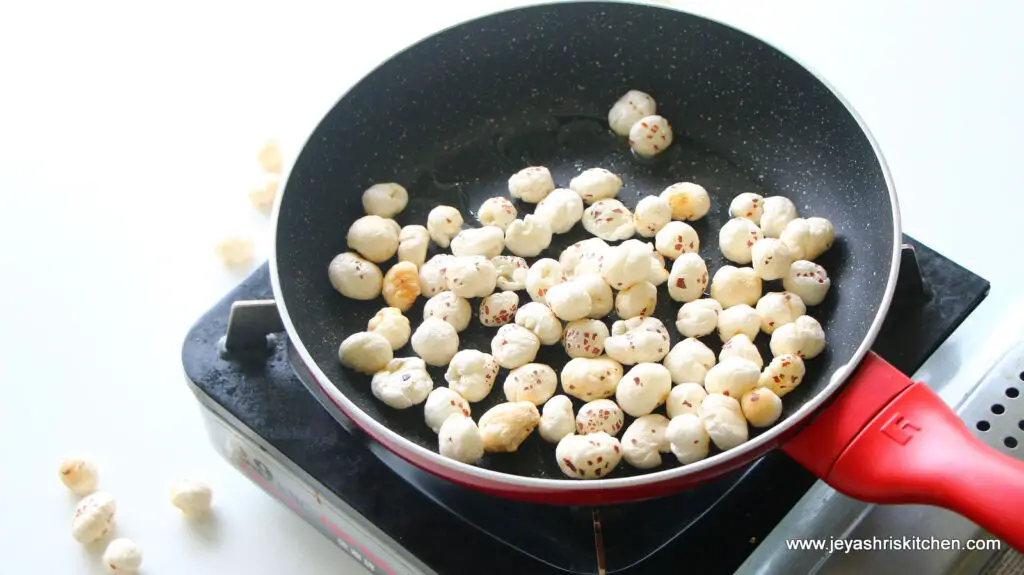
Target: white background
column 127, row 140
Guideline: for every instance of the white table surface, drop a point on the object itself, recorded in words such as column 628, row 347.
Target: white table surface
column 127, row 135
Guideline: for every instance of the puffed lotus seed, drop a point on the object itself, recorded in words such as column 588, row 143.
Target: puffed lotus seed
column 122, row 556
column 79, row 475
column 94, row 517
column 191, row 496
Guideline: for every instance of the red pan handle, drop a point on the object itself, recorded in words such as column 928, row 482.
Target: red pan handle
column 886, row 439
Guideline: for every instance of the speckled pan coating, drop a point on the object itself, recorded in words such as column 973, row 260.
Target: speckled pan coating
column 453, row 116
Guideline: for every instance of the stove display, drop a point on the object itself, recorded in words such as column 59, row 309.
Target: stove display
column 263, row 419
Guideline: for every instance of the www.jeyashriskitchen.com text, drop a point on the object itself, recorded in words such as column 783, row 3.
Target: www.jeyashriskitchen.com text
column 834, row 545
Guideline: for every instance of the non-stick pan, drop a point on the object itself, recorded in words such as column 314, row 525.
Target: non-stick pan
column 452, row 117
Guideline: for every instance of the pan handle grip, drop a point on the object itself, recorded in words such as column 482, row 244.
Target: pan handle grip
column 915, row 449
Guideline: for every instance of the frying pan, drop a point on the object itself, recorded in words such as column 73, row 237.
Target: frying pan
column 452, row 117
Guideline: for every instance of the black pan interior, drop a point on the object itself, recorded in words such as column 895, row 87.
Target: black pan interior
column 452, row 117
